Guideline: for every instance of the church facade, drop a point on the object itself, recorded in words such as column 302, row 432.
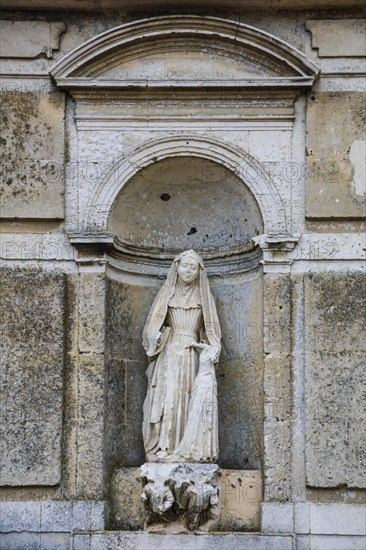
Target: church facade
column 130, row 133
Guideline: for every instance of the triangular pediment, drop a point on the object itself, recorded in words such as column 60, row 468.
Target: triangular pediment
column 190, row 49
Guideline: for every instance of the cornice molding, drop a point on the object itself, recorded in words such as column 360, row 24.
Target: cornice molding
column 276, row 249
column 103, row 249
column 81, row 67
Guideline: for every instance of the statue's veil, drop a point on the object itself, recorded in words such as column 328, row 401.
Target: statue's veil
column 159, row 307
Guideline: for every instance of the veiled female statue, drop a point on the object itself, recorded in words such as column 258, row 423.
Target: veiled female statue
column 182, row 339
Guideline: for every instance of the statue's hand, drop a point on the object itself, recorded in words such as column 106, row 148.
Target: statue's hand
column 207, row 351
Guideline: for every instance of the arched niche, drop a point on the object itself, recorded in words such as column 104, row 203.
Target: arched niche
column 149, row 230
column 185, row 202
column 136, row 103
column 232, row 159
column 209, row 79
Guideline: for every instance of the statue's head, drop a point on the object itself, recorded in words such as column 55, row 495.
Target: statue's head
column 188, row 266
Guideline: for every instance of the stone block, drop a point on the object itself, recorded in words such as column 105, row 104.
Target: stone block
column 277, row 298
column 71, row 385
column 35, row 541
column 335, row 376
column 277, row 517
column 29, row 38
column 33, row 154
column 335, row 155
column 303, row 542
column 20, row 541
column 338, row 37
column 56, row 516
column 20, row 516
column 32, row 355
column 240, row 497
column 87, row 515
column 302, row 517
column 51, row 541
column 97, row 515
column 81, row 515
column 228, row 541
column 90, row 460
column 127, row 509
column 336, row 542
column 338, row 519
column 81, row 542
column 91, row 308
column 277, row 387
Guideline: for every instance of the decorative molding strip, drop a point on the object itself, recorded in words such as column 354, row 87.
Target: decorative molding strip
column 198, row 123
column 103, row 249
column 76, row 83
column 157, row 266
column 226, row 92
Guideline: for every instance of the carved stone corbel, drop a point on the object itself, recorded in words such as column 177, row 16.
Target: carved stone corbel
column 180, row 493
column 276, row 251
column 91, row 247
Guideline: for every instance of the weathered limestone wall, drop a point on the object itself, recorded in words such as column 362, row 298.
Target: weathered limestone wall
column 33, row 144
column 73, row 303
column 32, row 355
column 334, row 308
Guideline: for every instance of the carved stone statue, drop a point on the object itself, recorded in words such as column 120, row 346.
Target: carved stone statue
column 182, row 339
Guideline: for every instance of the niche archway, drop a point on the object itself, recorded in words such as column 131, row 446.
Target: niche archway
column 185, row 202
column 152, row 218
column 129, row 112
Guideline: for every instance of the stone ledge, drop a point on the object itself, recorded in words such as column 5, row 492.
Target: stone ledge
column 36, row 541
column 338, row 519
column 327, row 542
column 216, row 541
column 316, row 519
column 277, row 517
column 143, row 541
column 73, row 5
column 51, row 516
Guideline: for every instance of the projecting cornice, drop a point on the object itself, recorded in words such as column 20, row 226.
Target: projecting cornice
column 139, row 54
column 131, row 5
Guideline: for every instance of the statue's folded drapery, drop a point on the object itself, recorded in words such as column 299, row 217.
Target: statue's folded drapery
column 181, row 400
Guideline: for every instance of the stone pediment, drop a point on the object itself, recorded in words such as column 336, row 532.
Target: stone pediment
column 183, row 51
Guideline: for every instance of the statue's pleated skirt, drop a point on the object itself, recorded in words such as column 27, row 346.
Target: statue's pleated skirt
column 169, row 392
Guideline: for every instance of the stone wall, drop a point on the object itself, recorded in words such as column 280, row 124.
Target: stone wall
column 32, row 311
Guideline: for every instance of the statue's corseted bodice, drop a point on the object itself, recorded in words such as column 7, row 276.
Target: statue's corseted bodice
column 185, row 322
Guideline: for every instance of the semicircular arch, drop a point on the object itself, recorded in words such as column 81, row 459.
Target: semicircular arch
column 247, row 168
